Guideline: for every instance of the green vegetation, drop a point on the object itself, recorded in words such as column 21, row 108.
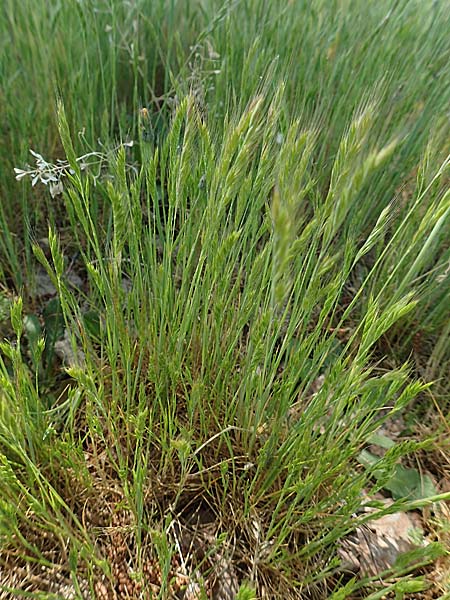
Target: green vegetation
column 223, row 268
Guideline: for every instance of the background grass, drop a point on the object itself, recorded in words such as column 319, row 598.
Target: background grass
column 256, row 212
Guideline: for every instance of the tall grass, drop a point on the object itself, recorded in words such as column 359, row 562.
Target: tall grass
column 282, row 213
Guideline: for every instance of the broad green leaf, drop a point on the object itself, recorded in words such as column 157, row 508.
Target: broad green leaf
column 404, row 483
column 409, row 483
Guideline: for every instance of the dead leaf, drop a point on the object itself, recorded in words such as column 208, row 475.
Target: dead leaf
column 66, row 353
column 44, row 285
column 375, row 547
column 227, row 585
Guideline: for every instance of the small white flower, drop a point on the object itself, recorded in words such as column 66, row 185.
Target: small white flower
column 37, row 155
column 56, row 189
column 20, row 173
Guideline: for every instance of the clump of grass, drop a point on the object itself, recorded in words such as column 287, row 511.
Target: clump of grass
column 203, row 397
column 238, row 284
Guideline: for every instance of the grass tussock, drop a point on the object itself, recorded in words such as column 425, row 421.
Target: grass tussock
column 224, row 279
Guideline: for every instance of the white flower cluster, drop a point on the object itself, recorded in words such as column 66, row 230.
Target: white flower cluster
column 45, row 172
column 51, row 174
